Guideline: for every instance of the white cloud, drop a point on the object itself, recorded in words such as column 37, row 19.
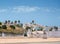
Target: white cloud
column 47, row 10
column 24, row 9
column 51, row 10
column 3, row 10
column 27, row 9
column 19, row 9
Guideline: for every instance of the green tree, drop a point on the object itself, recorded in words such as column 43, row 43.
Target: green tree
column 18, row 21
column 0, row 23
column 4, row 27
column 56, row 28
column 6, row 22
column 28, row 28
column 12, row 22
column 12, row 26
column 19, row 25
column 39, row 29
column 0, row 27
column 15, row 22
column 50, row 29
column 32, row 21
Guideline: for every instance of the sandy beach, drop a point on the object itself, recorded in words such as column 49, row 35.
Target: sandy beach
column 25, row 39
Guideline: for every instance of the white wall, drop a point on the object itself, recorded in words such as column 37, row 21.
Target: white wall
column 53, row 34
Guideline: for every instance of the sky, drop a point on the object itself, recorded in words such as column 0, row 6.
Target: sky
column 44, row 12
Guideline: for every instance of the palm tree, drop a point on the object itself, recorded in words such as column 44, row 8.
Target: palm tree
column 0, row 23
column 18, row 21
column 8, row 21
column 15, row 22
column 32, row 21
column 12, row 22
column 56, row 28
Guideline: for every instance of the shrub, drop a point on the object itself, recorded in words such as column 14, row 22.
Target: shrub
column 19, row 21
column 0, row 23
column 6, row 22
column 50, row 29
column 4, row 27
column 56, row 28
column 28, row 28
column 25, row 34
column 0, row 27
column 12, row 26
column 19, row 25
column 39, row 29
column 32, row 21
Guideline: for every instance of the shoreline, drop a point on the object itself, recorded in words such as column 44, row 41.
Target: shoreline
column 26, row 39
column 32, row 42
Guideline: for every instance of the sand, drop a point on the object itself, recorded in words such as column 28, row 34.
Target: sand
column 26, row 39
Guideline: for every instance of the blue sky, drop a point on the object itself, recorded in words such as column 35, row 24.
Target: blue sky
column 44, row 12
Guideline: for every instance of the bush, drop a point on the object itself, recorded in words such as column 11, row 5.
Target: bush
column 50, row 29
column 4, row 27
column 25, row 34
column 12, row 26
column 39, row 29
column 28, row 28
column 19, row 25
column 0, row 27
column 0, row 23
column 56, row 28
